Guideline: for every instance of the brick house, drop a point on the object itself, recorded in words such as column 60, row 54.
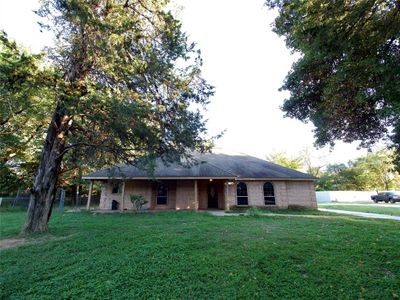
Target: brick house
column 217, row 181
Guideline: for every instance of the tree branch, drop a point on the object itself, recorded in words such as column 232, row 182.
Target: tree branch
column 3, row 122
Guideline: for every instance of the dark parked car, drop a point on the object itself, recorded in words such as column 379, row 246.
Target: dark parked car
column 386, row 196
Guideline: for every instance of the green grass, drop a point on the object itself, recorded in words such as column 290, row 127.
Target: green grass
column 279, row 211
column 369, row 208
column 187, row 255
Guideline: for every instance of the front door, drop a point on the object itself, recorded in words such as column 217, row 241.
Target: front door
column 212, row 196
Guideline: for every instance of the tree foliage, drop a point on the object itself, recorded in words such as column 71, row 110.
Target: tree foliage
column 301, row 162
column 129, row 77
column 283, row 159
column 25, row 99
column 346, row 80
column 124, row 85
column 375, row 171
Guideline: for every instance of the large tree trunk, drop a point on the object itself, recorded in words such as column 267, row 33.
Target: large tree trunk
column 45, row 185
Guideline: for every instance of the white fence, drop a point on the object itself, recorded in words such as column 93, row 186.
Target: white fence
column 344, row 196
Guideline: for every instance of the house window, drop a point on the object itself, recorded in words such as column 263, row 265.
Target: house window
column 242, row 198
column 269, row 196
column 115, row 188
column 162, row 194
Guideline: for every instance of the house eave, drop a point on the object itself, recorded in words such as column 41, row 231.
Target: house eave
column 154, row 178
column 275, row 179
column 199, row 178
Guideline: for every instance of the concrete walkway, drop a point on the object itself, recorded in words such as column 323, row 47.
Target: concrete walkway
column 380, row 204
column 221, row 213
column 361, row 214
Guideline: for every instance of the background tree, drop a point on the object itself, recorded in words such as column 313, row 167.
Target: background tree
column 339, row 177
column 377, row 171
column 25, row 99
column 308, row 165
column 374, row 171
column 302, row 161
column 124, row 79
column 283, row 159
column 345, row 81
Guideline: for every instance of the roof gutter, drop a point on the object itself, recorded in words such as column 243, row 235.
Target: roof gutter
column 204, row 178
column 150, row 178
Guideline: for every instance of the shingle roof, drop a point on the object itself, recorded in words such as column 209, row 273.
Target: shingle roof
column 210, row 165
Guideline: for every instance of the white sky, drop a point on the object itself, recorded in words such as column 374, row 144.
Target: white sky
column 243, row 59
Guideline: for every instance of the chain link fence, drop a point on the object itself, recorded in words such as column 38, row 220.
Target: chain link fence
column 21, row 201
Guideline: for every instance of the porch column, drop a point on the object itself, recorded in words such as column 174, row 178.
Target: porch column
column 196, row 195
column 90, row 195
column 228, row 193
column 226, row 196
column 123, row 195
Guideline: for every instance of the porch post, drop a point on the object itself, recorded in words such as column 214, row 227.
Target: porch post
column 228, row 186
column 90, row 195
column 196, row 195
column 226, row 196
column 123, row 195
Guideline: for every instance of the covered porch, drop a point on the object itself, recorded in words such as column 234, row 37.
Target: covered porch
column 169, row 194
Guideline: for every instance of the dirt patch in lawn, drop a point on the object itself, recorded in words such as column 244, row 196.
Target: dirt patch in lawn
column 13, row 243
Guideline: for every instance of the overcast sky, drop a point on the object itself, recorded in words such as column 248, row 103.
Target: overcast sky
column 243, row 59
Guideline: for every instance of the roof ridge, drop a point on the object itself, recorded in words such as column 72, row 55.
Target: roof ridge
column 233, row 174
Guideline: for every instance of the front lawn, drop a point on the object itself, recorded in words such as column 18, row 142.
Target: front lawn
column 199, row 256
column 368, row 208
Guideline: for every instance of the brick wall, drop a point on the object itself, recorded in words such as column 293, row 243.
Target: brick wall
column 138, row 187
column 202, row 196
column 107, row 196
column 230, row 196
column 301, row 193
column 181, row 194
column 185, row 194
column 287, row 193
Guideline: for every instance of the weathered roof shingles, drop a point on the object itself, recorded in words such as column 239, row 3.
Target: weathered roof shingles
column 211, row 165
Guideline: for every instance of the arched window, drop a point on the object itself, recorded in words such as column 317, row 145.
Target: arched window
column 162, row 194
column 242, row 198
column 269, row 196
